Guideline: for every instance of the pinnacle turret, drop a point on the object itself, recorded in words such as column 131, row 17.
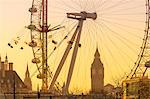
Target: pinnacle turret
column 6, row 59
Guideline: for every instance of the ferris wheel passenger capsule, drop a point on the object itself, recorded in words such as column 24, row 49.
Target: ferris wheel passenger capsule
column 79, row 45
column 39, row 76
column 32, row 44
column 147, row 64
column 32, row 27
column 36, row 61
column 33, row 10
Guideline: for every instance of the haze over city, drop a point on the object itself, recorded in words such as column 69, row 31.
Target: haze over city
column 117, row 32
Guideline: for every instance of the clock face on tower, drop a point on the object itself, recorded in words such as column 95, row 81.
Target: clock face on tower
column 100, row 72
column 93, row 72
column 97, row 72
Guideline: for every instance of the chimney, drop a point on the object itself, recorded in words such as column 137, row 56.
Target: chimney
column 11, row 66
column 3, row 69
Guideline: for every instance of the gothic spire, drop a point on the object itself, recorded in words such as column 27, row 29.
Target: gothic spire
column 27, row 72
column 97, row 61
column 6, row 58
column 27, row 79
column 97, row 54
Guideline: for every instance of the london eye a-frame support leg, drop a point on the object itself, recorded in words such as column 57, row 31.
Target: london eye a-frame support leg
column 80, row 17
column 70, row 43
column 74, row 56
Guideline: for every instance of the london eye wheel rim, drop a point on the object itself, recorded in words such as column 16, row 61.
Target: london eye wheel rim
column 132, row 74
column 35, row 27
column 35, row 51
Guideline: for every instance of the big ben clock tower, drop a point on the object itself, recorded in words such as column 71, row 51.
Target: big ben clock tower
column 97, row 74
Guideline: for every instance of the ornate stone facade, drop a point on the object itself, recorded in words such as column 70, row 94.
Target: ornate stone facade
column 97, row 74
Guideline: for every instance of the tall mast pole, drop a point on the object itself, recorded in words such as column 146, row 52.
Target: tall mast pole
column 44, row 45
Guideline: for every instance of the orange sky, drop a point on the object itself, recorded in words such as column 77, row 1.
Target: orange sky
column 118, row 49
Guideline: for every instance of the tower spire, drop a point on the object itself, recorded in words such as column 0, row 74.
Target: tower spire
column 27, row 79
column 27, row 72
column 6, row 58
column 97, row 54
